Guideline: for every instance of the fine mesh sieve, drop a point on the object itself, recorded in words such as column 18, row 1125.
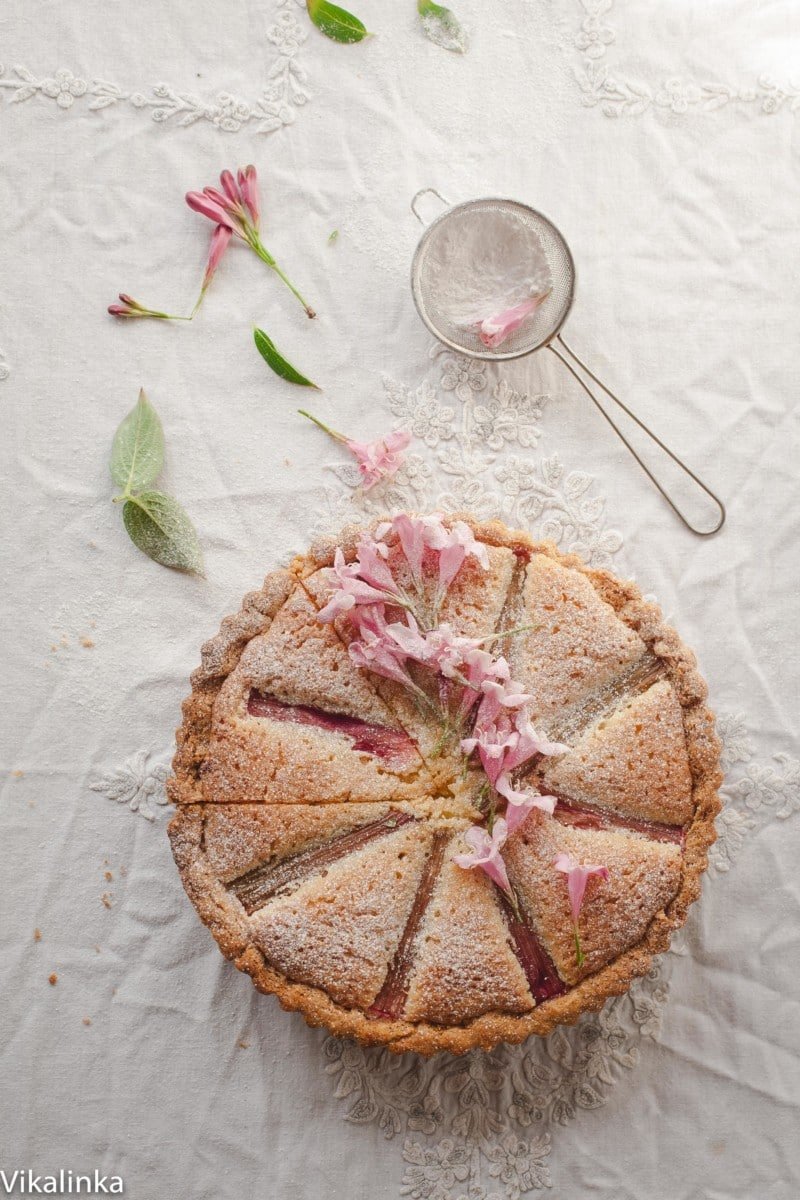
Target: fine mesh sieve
column 533, row 256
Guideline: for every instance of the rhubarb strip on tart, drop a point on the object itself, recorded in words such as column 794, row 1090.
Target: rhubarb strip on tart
column 320, row 809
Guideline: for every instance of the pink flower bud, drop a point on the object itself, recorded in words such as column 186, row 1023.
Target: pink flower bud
column 208, row 208
column 248, row 186
column 219, row 244
column 229, row 188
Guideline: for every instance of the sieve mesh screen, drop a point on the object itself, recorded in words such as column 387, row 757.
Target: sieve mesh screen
column 530, row 254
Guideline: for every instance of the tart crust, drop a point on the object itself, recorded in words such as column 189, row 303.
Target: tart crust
column 226, row 918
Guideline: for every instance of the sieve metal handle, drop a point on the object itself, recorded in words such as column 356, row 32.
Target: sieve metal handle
column 653, row 437
column 427, row 192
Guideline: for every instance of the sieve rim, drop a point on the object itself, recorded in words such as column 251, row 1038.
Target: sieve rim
column 490, row 355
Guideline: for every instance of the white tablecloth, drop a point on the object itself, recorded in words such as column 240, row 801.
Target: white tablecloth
column 663, row 140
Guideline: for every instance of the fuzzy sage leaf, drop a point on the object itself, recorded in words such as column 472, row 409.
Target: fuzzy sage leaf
column 442, row 26
column 336, row 23
column 137, row 453
column 159, row 526
column 155, row 522
column 277, row 363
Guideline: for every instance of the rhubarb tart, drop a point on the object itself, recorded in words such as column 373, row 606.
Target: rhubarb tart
column 439, row 785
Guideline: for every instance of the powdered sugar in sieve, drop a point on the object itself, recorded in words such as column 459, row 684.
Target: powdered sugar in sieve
column 484, row 262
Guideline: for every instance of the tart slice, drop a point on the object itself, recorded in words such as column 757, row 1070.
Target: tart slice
column 578, row 644
column 633, row 761
column 464, row 960
column 340, row 930
column 296, row 720
column 643, row 877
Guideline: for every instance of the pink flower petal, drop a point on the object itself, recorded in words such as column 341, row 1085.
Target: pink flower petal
column 493, row 331
column 577, row 876
column 372, row 567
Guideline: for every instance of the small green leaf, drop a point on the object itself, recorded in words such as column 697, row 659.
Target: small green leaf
column 137, row 452
column 336, row 23
column 442, row 26
column 275, row 360
column 332, row 237
column 159, row 526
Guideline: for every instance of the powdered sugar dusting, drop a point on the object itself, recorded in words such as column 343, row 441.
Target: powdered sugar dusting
column 482, row 262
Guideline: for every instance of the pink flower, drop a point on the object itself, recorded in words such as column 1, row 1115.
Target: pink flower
column 376, row 460
column 377, row 649
column 414, row 645
column 450, row 545
column 454, row 546
column 372, row 567
column 348, row 589
column 416, row 534
column 411, row 532
column 485, row 854
column 128, row 307
column 530, row 743
column 230, row 207
column 236, row 208
column 505, row 740
column 379, row 459
column 577, row 876
column 521, row 803
column 493, row 331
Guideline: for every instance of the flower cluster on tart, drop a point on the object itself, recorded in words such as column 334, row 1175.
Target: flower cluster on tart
column 441, row 786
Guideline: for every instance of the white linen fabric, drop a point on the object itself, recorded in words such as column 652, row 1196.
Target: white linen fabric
column 663, row 140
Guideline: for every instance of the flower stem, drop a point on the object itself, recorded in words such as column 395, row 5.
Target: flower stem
column 265, row 256
column 491, row 813
column 198, row 302
column 325, row 428
column 514, row 902
column 579, row 955
column 504, row 633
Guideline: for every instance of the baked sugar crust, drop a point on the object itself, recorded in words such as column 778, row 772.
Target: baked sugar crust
column 226, row 918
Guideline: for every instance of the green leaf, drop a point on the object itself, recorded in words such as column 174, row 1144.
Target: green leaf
column 137, row 452
column 336, row 23
column 442, row 26
column 332, row 237
column 275, row 360
column 159, row 526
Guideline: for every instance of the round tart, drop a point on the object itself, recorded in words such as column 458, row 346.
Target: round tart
column 330, row 823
